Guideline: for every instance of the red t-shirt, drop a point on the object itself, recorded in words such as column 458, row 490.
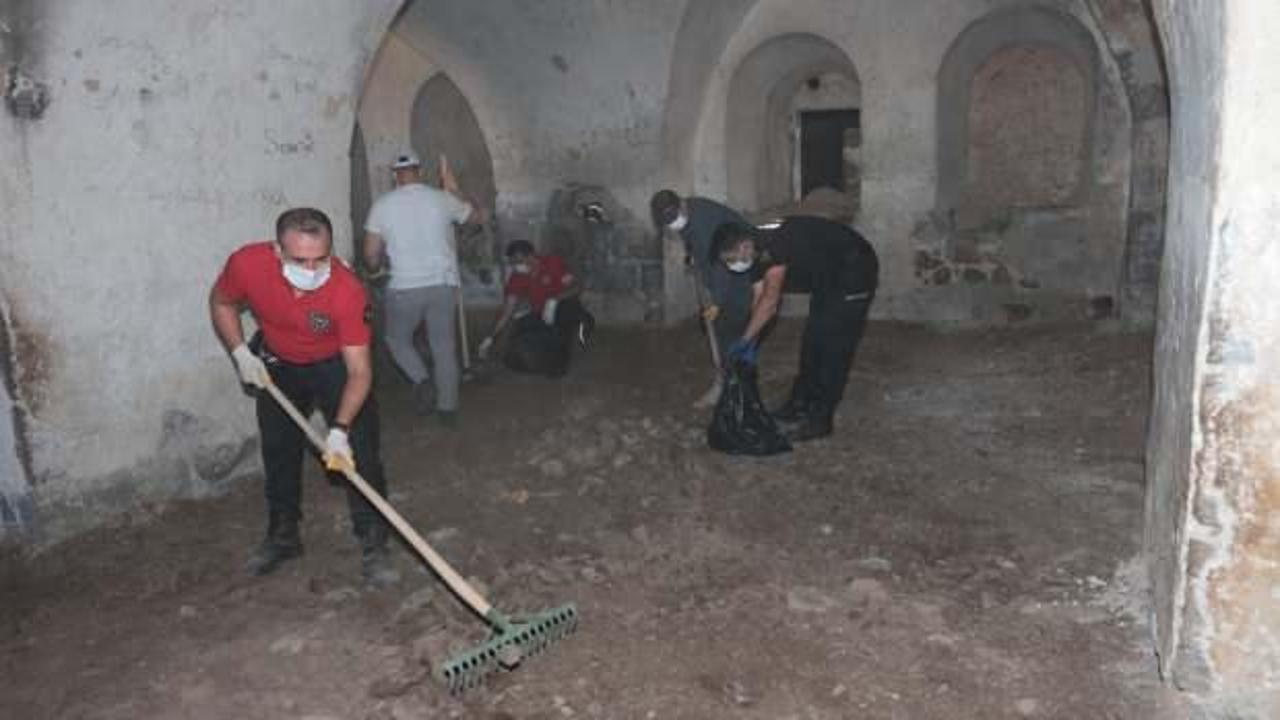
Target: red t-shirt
column 304, row 328
column 549, row 278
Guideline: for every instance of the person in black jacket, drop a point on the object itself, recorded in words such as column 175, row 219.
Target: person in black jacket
column 696, row 220
column 839, row 269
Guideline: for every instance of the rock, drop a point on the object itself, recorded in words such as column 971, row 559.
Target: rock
column 874, row 564
column 442, row 535
column 736, row 693
column 622, row 460
column 289, row 645
column 431, row 647
column 187, row 611
column 399, row 681
column 341, row 595
column 583, row 455
column 868, row 593
column 553, row 468
column 416, row 602
column 1027, row 707
column 640, row 534
column 810, row 600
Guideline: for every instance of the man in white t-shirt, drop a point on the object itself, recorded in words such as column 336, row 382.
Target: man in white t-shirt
column 413, row 226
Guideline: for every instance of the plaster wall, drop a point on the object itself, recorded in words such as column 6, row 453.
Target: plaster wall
column 568, row 96
column 385, row 112
column 177, row 132
column 1214, row 473
column 565, row 92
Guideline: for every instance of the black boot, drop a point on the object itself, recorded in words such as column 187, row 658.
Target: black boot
column 812, row 428
column 283, row 542
column 424, row 398
column 791, row 411
column 375, row 560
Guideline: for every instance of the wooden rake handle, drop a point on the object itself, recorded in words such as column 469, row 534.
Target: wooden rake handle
column 712, row 341
column 446, row 572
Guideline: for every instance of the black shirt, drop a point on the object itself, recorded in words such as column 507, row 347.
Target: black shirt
column 705, row 216
column 821, row 256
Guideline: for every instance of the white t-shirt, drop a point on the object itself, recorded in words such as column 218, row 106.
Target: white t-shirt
column 416, row 225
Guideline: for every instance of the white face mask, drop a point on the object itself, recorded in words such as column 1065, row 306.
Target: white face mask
column 521, row 268
column 739, row 266
column 304, row 279
column 679, row 223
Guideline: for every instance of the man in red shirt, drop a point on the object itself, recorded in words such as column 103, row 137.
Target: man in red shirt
column 541, row 293
column 313, row 345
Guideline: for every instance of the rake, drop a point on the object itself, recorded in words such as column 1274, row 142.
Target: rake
column 512, row 638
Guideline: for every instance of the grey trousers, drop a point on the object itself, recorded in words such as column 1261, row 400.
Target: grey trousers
column 435, row 305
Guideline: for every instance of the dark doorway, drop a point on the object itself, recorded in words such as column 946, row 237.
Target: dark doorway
column 823, row 137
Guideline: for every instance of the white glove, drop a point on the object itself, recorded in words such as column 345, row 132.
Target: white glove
column 549, row 311
column 337, row 451
column 252, row 370
column 485, row 346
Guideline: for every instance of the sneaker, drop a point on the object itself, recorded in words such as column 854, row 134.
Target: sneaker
column 710, row 397
column 448, row 419
column 585, row 328
column 424, row 397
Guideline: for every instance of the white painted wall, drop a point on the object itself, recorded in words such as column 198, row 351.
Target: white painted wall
column 177, row 132
column 386, row 105
column 564, row 92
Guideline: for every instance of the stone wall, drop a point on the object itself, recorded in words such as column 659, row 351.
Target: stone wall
column 1049, row 260
column 175, row 133
column 1213, row 464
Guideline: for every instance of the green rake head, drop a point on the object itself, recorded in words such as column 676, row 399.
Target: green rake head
column 512, row 641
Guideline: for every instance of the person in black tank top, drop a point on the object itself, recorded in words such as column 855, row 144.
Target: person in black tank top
column 839, row 270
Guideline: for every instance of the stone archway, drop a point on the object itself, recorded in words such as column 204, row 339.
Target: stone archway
column 766, row 91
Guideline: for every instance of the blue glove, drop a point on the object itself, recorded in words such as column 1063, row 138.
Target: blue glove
column 744, row 351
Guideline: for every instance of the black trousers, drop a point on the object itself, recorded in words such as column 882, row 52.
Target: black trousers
column 731, row 292
column 569, row 314
column 284, row 444
column 831, row 337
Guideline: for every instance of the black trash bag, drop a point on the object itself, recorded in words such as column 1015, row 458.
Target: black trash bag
column 741, row 425
column 537, row 348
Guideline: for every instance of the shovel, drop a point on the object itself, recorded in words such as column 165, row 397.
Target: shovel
column 511, row 639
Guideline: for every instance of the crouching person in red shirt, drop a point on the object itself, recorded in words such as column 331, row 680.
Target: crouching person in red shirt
column 543, row 311
column 314, row 345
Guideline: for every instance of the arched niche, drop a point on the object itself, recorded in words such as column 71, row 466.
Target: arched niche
column 442, row 123
column 766, row 93
column 1034, row 159
column 1030, row 63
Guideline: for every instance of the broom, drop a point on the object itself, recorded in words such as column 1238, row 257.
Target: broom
column 512, row 639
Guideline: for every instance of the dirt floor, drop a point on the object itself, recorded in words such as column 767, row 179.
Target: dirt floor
column 966, row 546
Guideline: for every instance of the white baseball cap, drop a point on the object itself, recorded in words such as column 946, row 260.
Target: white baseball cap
column 407, row 160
